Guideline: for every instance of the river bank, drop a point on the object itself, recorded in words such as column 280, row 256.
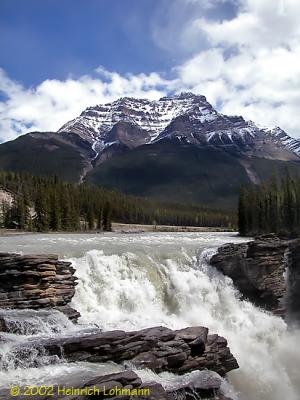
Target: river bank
column 127, row 228
column 138, row 228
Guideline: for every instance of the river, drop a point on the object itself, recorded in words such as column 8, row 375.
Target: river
column 133, row 281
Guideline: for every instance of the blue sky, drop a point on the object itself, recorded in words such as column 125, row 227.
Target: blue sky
column 59, row 56
column 53, row 39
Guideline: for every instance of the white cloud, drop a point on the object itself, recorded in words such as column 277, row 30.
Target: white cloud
column 259, row 24
column 52, row 103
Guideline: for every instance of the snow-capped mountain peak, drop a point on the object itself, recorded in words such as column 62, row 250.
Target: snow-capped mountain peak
column 152, row 116
column 133, row 122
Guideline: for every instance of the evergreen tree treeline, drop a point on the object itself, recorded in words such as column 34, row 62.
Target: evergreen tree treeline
column 273, row 207
column 48, row 204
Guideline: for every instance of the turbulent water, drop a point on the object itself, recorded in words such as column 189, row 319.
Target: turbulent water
column 136, row 281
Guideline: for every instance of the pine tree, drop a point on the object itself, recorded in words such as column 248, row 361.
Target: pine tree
column 90, row 218
column 271, row 207
column 242, row 213
column 100, row 219
column 107, row 217
column 41, row 220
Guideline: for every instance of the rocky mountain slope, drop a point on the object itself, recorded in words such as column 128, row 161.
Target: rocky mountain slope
column 133, row 122
column 47, row 153
column 178, row 148
column 282, row 138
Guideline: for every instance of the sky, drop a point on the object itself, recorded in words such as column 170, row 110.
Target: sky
column 58, row 57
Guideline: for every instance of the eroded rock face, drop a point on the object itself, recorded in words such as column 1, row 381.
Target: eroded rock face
column 257, row 269
column 159, row 349
column 36, row 282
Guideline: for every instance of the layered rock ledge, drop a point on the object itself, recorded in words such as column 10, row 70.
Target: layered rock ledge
column 36, row 282
column 159, row 349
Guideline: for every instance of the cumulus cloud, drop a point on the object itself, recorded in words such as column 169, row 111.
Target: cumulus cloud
column 52, row 103
column 258, row 24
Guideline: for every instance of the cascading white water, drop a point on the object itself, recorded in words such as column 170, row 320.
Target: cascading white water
column 23, row 361
column 17, row 350
column 136, row 291
column 136, row 281
column 31, row 322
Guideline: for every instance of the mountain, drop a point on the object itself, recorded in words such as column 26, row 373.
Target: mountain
column 186, row 116
column 178, row 148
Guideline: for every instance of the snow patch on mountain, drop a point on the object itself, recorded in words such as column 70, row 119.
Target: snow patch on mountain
column 152, row 116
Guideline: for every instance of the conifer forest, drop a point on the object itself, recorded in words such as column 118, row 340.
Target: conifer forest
column 273, row 207
column 48, row 204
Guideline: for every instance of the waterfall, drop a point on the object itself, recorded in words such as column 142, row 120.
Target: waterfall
column 134, row 291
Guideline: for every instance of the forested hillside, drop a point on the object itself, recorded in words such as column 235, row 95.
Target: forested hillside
column 271, row 207
column 47, row 203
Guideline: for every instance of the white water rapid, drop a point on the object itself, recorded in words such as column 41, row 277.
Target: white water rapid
column 132, row 281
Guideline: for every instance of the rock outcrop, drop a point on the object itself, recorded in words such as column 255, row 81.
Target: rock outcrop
column 159, row 349
column 257, row 269
column 36, row 282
